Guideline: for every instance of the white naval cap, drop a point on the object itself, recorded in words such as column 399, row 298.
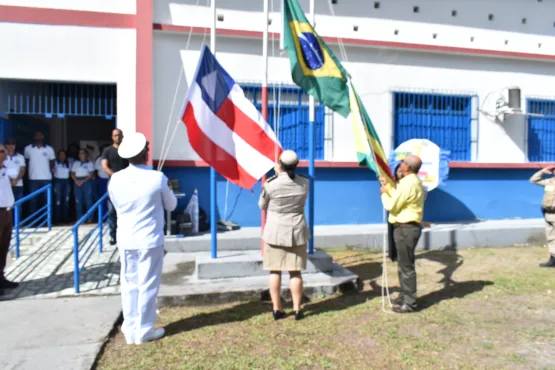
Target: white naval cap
column 132, row 145
column 289, row 158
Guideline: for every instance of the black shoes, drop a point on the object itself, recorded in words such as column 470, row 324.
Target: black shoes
column 550, row 263
column 113, row 242
column 403, row 309
column 397, row 302
column 6, row 284
column 278, row 315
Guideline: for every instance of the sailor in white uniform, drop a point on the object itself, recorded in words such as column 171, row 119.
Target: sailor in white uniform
column 140, row 195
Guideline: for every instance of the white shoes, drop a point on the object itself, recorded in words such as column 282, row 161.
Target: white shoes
column 155, row 335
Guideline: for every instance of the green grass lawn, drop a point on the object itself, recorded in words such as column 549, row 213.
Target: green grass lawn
column 481, row 308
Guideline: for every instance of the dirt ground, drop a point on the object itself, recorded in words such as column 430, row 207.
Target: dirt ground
column 480, row 309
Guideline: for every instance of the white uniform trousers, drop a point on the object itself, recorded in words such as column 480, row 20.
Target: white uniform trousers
column 141, row 271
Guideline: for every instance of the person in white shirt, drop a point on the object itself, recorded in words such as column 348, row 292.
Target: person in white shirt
column 6, row 203
column 140, row 195
column 41, row 162
column 82, row 172
column 62, row 187
column 15, row 163
column 101, row 179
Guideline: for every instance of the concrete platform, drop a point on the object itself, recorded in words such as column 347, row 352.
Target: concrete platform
column 502, row 233
column 180, row 286
column 249, row 263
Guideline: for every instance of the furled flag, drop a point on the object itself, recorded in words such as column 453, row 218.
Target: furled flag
column 224, row 127
column 367, row 143
column 314, row 67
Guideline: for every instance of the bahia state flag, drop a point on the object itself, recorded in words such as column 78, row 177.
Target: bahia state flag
column 314, row 67
column 369, row 149
column 224, row 127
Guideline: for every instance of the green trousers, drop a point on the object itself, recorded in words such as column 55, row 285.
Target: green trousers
column 406, row 238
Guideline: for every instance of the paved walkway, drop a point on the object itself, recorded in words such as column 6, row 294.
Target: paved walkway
column 45, row 269
column 64, row 333
column 55, row 334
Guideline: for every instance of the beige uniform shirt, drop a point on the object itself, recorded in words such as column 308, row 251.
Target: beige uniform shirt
column 548, row 202
column 284, row 199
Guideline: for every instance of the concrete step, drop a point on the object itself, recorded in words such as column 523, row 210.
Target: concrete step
column 502, row 233
column 249, row 264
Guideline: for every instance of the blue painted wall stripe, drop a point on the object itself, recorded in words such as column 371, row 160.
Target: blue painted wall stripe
column 351, row 196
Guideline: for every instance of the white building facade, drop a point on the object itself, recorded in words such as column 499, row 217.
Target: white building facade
column 428, row 69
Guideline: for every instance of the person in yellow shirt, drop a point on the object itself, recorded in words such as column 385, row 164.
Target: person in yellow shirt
column 405, row 205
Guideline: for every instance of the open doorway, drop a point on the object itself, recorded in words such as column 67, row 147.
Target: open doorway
column 71, row 116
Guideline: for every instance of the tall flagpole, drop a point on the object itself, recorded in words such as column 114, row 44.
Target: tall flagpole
column 213, row 198
column 264, row 97
column 311, row 150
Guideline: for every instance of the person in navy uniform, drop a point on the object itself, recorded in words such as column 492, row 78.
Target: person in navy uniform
column 6, row 205
column 15, row 163
column 41, row 162
column 62, row 187
column 82, row 172
column 140, row 197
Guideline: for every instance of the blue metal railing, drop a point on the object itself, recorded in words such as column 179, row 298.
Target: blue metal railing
column 541, row 130
column 36, row 220
column 444, row 119
column 84, row 248
column 58, row 99
column 288, row 105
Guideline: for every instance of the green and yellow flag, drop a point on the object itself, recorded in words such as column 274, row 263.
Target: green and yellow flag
column 314, row 67
column 367, row 143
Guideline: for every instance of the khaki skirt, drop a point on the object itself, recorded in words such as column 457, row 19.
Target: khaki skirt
column 278, row 258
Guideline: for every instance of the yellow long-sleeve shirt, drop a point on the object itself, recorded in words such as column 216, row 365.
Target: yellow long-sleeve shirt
column 405, row 203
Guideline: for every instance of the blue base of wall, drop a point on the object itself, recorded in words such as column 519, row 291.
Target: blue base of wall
column 351, row 196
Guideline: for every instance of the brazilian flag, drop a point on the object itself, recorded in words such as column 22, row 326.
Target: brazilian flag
column 314, row 67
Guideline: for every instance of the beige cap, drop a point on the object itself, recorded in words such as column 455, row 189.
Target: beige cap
column 132, row 145
column 289, row 158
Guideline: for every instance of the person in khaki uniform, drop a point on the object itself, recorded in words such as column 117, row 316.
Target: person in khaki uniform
column 286, row 232
column 548, row 209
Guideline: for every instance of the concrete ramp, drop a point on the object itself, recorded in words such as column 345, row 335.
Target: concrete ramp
column 45, row 267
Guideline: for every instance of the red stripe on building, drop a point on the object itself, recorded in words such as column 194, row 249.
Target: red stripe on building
column 143, row 90
column 224, row 163
column 247, row 129
column 65, row 17
column 367, row 43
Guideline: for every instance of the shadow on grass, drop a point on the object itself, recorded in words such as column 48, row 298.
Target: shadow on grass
column 449, row 258
column 366, row 290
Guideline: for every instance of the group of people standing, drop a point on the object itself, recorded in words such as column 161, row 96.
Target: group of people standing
column 43, row 166
column 76, row 180
column 62, row 171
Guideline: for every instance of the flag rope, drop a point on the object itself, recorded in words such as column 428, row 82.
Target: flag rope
column 166, row 145
column 385, row 283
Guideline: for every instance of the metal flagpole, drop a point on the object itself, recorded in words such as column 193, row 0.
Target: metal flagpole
column 311, row 139
column 264, row 98
column 213, row 198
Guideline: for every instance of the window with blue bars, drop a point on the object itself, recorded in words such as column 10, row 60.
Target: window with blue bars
column 58, row 99
column 292, row 110
column 541, row 130
column 443, row 119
